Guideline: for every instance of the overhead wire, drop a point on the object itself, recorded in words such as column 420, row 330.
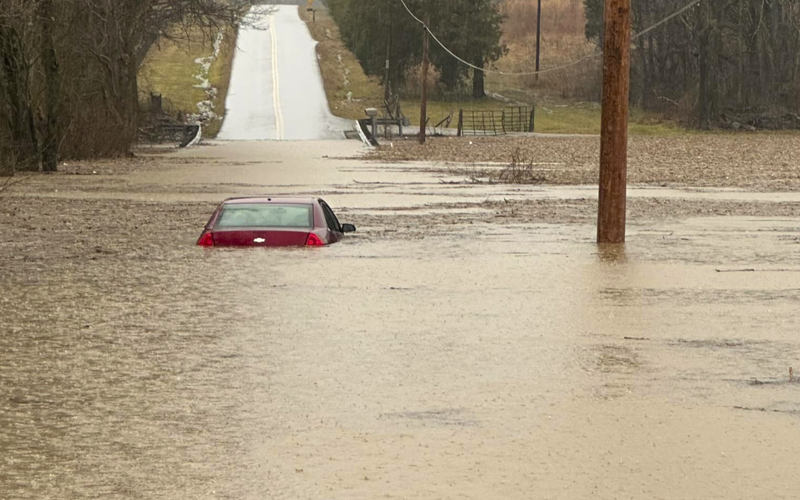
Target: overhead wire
column 557, row 68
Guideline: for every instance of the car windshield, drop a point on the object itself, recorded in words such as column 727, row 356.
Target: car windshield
column 265, row 215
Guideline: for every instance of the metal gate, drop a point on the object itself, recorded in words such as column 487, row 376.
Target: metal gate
column 496, row 122
column 473, row 122
column 518, row 119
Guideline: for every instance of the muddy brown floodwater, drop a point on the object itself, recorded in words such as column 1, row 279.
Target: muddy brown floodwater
column 467, row 342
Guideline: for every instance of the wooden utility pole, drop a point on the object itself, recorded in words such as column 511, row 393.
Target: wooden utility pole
column 423, row 118
column 538, row 36
column 614, row 126
column 387, row 91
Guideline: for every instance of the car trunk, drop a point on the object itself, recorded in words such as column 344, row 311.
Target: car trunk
column 260, row 237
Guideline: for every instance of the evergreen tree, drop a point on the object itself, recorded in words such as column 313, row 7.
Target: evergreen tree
column 471, row 29
column 371, row 29
column 376, row 28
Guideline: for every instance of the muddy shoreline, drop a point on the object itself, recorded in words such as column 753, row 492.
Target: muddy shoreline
column 759, row 162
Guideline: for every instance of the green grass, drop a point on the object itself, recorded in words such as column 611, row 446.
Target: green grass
column 438, row 110
column 585, row 119
column 170, row 70
column 551, row 119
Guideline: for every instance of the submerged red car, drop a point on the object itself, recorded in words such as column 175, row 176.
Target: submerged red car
column 273, row 222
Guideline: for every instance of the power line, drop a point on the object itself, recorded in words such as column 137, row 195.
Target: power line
column 557, row 68
column 665, row 20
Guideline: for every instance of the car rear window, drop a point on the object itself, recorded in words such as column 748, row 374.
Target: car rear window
column 265, row 215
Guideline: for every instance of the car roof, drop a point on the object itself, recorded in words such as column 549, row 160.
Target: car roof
column 271, row 199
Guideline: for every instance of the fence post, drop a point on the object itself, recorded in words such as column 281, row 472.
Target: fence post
column 460, row 122
column 532, row 123
column 156, row 104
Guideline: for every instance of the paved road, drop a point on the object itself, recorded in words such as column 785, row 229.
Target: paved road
column 276, row 90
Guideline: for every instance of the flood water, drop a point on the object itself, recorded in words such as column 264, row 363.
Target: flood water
column 489, row 361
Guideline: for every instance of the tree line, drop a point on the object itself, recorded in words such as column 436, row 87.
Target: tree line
column 718, row 63
column 377, row 31
column 68, row 71
column 721, row 61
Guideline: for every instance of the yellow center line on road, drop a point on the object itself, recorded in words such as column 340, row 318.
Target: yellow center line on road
column 276, row 94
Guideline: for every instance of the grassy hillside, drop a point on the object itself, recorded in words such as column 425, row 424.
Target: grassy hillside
column 173, row 70
column 349, row 90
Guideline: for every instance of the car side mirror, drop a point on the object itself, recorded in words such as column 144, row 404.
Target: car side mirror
column 348, row 228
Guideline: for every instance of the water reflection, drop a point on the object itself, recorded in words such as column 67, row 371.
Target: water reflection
column 380, row 367
column 612, row 253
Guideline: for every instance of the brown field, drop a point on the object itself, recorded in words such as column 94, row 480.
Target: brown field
column 759, row 162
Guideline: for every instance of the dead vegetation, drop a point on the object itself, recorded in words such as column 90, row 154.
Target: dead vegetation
column 6, row 183
column 563, row 41
column 521, row 170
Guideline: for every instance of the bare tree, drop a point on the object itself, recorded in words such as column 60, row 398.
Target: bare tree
column 68, row 70
column 722, row 60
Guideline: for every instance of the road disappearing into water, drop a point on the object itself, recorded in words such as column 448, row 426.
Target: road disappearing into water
column 276, row 90
column 469, row 341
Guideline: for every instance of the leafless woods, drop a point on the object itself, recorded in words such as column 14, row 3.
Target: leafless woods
column 718, row 62
column 68, row 71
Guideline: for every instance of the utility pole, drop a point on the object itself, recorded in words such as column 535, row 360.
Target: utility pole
column 387, row 92
column 423, row 119
column 538, row 36
column 614, row 126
